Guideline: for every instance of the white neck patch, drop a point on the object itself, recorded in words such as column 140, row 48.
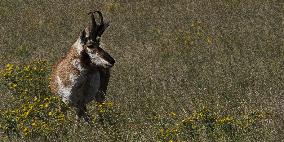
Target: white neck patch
column 78, row 46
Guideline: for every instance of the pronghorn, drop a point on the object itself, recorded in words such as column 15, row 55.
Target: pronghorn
column 83, row 74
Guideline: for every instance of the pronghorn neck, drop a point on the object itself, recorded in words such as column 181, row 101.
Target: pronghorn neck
column 75, row 55
column 78, row 47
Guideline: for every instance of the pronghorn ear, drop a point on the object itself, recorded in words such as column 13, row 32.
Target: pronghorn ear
column 83, row 36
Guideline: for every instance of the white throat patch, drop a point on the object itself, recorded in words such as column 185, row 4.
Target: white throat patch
column 97, row 60
column 78, row 46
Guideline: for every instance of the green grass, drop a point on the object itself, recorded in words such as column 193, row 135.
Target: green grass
column 175, row 59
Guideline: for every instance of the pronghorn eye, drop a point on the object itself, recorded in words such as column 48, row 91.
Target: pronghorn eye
column 93, row 45
column 90, row 46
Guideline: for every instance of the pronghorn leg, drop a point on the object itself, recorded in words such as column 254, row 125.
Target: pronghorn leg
column 82, row 112
column 86, row 117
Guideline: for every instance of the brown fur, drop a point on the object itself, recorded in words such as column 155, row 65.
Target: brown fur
column 62, row 69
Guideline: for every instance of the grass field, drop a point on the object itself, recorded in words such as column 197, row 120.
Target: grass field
column 186, row 70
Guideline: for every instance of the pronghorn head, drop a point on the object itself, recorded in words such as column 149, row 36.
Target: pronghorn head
column 90, row 42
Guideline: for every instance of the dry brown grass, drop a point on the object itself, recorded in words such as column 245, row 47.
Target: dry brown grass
column 172, row 56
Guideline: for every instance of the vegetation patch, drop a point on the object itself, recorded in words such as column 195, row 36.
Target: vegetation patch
column 34, row 111
column 206, row 123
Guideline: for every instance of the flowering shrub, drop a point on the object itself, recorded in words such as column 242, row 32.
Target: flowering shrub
column 28, row 80
column 35, row 111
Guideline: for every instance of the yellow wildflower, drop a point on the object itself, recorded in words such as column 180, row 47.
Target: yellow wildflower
column 46, row 105
column 25, row 131
column 26, row 114
column 50, row 113
column 209, row 40
column 27, row 68
column 173, row 114
column 102, row 111
column 9, row 67
column 226, row 119
column 109, row 104
column 46, row 99
column 35, row 99
column 12, row 85
column 33, row 124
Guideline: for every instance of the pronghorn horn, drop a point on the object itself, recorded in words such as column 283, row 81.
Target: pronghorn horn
column 101, row 16
column 97, row 30
column 103, row 25
column 93, row 26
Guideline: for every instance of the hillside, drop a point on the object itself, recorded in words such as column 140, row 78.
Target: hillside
column 182, row 62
